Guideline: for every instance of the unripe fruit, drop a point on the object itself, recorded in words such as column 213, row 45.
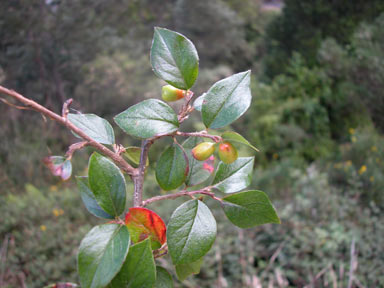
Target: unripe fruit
column 203, row 151
column 227, row 153
column 170, row 93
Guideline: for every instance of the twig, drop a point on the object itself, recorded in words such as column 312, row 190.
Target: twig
column 318, row 275
column 163, row 250
column 351, row 264
column 13, row 105
column 65, row 110
column 63, row 121
column 272, row 260
column 203, row 134
column 186, row 108
column 205, row 191
column 74, row 147
column 138, row 180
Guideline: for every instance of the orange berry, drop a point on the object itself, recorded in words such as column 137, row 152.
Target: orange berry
column 227, row 152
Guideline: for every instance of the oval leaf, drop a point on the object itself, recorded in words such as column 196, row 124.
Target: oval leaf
column 183, row 271
column 198, row 172
column 89, row 199
column 107, row 184
column 234, row 177
column 191, row 232
column 174, row 58
column 94, row 126
column 143, row 223
column 199, row 102
column 147, row 119
column 249, row 208
column 163, row 278
column 101, row 254
column 236, row 137
column 139, row 268
column 172, row 168
column 227, row 100
column 133, row 154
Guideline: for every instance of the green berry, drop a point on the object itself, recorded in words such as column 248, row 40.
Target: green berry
column 203, row 151
column 170, row 93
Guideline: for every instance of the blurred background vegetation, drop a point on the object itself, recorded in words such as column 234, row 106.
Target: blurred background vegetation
column 317, row 116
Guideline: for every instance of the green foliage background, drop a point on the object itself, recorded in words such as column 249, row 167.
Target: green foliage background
column 316, row 115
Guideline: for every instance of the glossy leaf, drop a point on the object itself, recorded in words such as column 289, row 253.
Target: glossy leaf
column 234, row 177
column 107, row 184
column 185, row 270
column 139, row 268
column 147, row 119
column 249, row 208
column 163, row 278
column 89, row 199
column 199, row 102
column 174, row 58
column 197, row 174
column 101, row 254
column 227, row 100
column 143, row 223
column 94, row 126
column 236, row 137
column 59, row 166
column 191, row 232
column 172, row 168
column 133, row 154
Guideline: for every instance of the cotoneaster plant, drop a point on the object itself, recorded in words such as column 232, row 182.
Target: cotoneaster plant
column 123, row 251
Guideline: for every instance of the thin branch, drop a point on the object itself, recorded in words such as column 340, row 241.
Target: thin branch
column 74, row 147
column 163, row 250
column 138, row 180
column 202, row 134
column 63, row 121
column 65, row 110
column 352, row 264
column 186, row 109
column 205, row 191
column 13, row 105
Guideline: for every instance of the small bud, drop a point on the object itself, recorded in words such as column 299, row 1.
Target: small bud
column 203, row 151
column 170, row 93
column 227, row 153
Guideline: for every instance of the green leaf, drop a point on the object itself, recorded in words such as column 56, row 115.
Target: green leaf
column 147, row 119
column 197, row 174
column 107, row 184
column 163, row 278
column 89, row 199
column 139, row 268
column 101, row 254
column 227, row 100
column 172, row 168
column 199, row 102
column 249, row 208
column 93, row 126
column 133, row 154
column 185, row 270
column 174, row 58
column 234, row 177
column 236, row 137
column 191, row 232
